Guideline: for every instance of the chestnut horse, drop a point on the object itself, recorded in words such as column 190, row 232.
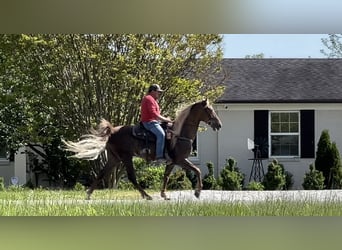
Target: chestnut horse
column 121, row 145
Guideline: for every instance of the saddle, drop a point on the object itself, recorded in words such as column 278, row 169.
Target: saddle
column 140, row 132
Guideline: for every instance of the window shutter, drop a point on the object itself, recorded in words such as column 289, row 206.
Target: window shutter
column 307, row 136
column 261, row 131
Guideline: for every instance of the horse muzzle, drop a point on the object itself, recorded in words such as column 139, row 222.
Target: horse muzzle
column 215, row 124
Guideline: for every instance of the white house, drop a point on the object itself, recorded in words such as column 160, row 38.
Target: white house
column 13, row 167
column 281, row 104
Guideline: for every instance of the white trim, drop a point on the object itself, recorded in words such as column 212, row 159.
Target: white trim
column 276, row 106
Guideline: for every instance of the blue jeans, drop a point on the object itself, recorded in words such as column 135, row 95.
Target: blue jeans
column 156, row 129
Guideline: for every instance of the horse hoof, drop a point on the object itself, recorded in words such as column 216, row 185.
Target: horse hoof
column 163, row 195
column 197, row 194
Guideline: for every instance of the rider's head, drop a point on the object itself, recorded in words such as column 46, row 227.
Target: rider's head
column 155, row 87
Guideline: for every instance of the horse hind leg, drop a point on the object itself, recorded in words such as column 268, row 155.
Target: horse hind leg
column 132, row 178
column 108, row 168
column 105, row 172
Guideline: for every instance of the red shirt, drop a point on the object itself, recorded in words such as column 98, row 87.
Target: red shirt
column 149, row 109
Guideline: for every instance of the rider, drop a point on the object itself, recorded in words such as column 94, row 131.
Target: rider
column 151, row 118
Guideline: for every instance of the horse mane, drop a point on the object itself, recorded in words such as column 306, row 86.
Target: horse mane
column 181, row 115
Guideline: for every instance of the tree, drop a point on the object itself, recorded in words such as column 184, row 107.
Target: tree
column 334, row 45
column 61, row 85
column 336, row 169
column 255, row 56
column 324, row 161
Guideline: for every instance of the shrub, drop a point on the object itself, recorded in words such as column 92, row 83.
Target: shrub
column 323, row 161
column 314, row 179
column 288, row 178
column 254, row 185
column 148, row 176
column 2, row 184
column 179, row 181
column 275, row 178
column 78, row 187
column 230, row 176
column 209, row 181
column 192, row 177
column 151, row 177
column 125, row 184
column 336, row 169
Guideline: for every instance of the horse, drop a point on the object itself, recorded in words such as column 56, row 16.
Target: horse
column 121, row 145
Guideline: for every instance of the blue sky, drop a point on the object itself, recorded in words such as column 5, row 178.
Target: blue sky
column 274, row 45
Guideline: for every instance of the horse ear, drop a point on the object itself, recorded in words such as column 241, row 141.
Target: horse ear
column 205, row 102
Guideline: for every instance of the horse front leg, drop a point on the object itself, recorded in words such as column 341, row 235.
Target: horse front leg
column 190, row 166
column 167, row 173
column 128, row 162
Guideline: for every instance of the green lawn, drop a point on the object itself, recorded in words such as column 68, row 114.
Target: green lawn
column 128, row 203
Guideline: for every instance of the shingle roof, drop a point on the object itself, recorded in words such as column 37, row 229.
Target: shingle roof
column 282, row 81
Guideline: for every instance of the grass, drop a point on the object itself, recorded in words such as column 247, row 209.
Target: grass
column 21, row 202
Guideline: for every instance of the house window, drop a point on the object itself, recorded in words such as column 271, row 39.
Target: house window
column 306, row 129
column 284, row 136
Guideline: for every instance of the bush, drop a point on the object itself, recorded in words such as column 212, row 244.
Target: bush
column 78, row 187
column 230, row 176
column 336, row 169
column 125, row 184
column 2, row 184
column 323, row 161
column 256, row 186
column 151, row 177
column 275, row 178
column 179, row 181
column 209, row 181
column 288, row 180
column 192, row 177
column 313, row 180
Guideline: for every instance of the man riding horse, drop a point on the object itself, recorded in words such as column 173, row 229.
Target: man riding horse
column 151, row 118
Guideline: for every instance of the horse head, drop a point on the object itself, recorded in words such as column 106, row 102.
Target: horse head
column 209, row 116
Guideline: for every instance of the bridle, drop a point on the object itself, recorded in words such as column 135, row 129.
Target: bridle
column 210, row 115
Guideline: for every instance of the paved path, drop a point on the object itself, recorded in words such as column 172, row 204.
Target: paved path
column 253, row 196
column 210, row 196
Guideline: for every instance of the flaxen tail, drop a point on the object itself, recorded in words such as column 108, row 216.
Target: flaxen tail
column 90, row 146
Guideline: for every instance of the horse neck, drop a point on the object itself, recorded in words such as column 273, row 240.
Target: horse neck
column 190, row 127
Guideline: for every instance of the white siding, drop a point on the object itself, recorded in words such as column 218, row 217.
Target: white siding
column 6, row 171
column 20, row 166
column 238, row 125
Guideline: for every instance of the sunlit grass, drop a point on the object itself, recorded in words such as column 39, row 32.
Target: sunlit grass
column 129, row 203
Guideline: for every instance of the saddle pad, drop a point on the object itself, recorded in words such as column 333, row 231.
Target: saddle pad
column 140, row 132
